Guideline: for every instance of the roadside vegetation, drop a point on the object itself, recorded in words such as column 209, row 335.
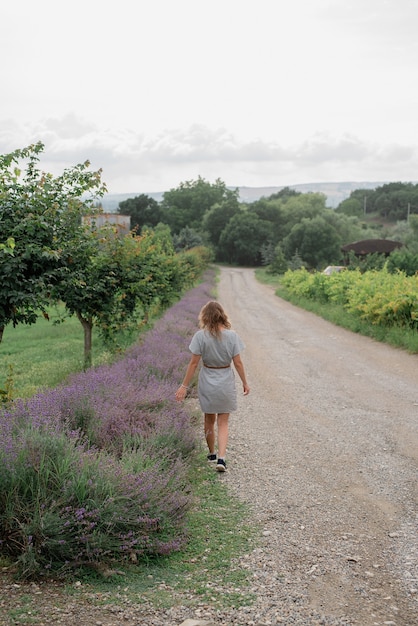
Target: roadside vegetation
column 104, row 476
column 375, row 303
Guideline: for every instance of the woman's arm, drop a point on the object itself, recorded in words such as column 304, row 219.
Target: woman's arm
column 239, row 366
column 190, row 372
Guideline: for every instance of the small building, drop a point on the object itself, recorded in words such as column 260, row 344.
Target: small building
column 371, row 246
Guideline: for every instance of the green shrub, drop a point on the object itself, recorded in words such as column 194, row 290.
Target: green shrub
column 63, row 507
column 376, row 296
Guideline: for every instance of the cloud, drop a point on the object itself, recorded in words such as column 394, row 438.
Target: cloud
column 132, row 160
column 204, row 144
column 323, row 148
column 387, row 22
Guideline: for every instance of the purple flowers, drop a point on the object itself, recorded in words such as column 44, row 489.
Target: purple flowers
column 95, row 469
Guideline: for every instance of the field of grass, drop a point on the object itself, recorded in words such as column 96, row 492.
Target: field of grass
column 44, row 354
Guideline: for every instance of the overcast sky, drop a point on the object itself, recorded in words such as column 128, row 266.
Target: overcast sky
column 255, row 92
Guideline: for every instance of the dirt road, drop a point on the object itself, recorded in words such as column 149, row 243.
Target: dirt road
column 325, row 451
column 325, row 448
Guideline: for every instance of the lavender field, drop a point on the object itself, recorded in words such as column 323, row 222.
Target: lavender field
column 96, row 470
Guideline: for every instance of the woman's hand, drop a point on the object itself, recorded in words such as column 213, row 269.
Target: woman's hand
column 188, row 377
column 239, row 366
column 181, row 393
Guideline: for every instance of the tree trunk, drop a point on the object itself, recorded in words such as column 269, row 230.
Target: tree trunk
column 87, row 325
column 1, row 333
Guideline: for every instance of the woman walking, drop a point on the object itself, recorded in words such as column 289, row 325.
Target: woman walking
column 218, row 346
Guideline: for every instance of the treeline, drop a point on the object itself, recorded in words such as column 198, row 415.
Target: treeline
column 49, row 253
column 286, row 230
column 392, row 201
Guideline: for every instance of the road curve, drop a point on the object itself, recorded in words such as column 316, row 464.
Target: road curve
column 325, row 450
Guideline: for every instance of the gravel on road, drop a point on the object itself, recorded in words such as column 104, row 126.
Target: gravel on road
column 325, row 451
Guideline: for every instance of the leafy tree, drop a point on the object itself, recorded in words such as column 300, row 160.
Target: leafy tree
column 296, row 262
column 266, row 209
column 216, row 218
column 242, row 239
column 351, row 206
column 152, row 271
column 403, row 260
column 390, row 200
column 187, row 204
column 278, row 264
column 316, row 241
column 306, row 205
column 272, row 211
column 110, row 280
column 90, row 285
column 284, row 194
column 8, row 247
column 162, row 234
column 348, row 227
column 38, row 212
column 359, row 202
column 413, row 223
column 144, row 211
column 267, row 253
column 366, row 263
column 407, row 233
column 186, row 239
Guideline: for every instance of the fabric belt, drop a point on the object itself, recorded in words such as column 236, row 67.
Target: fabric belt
column 214, row 367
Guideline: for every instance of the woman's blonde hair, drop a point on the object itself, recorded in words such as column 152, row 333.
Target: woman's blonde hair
column 212, row 316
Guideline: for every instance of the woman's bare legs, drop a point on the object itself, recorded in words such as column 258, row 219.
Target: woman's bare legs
column 222, row 434
column 210, row 419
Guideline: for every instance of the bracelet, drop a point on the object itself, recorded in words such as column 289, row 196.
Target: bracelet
column 185, row 386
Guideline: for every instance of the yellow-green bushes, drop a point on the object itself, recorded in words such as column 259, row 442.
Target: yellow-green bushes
column 376, row 296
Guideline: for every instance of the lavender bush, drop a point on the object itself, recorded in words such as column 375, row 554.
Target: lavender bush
column 95, row 470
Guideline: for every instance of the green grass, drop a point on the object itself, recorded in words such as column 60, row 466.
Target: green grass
column 44, row 354
column 25, row 613
column 404, row 338
column 219, row 532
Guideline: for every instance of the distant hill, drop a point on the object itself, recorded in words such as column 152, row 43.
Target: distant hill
column 110, row 201
column 335, row 193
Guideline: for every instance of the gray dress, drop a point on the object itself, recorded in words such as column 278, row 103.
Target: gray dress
column 216, row 389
